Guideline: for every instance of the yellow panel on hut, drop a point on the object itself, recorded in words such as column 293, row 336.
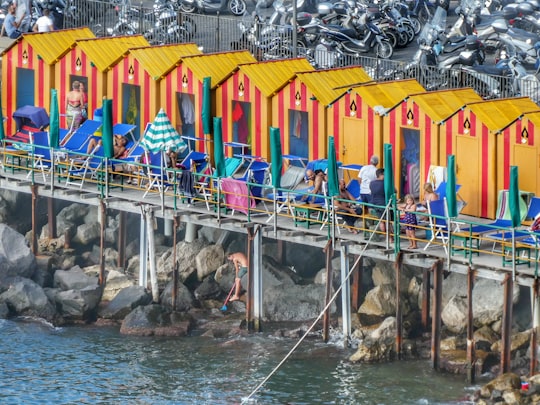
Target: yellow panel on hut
column 440, row 105
column 388, row 94
column 497, row 114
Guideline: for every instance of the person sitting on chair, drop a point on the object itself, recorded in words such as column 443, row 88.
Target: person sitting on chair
column 317, row 177
column 347, row 209
column 119, row 145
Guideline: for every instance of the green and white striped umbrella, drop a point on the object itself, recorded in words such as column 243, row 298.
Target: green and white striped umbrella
column 161, row 136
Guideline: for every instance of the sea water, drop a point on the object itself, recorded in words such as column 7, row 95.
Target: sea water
column 41, row 364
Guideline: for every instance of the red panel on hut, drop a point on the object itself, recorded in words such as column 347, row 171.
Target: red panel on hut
column 475, row 132
column 519, row 146
column 245, row 101
column 28, row 65
column 304, row 107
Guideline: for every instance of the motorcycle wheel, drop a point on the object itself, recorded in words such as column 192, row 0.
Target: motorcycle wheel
column 392, row 36
column 409, row 30
column 402, row 39
column 237, row 7
column 189, row 25
column 384, row 50
column 187, row 8
column 416, row 24
column 423, row 16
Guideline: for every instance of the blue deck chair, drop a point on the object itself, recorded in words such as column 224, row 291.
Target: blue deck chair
column 77, row 142
column 441, row 192
column 126, row 130
column 81, row 167
column 438, row 225
column 258, row 174
column 158, row 175
column 232, row 165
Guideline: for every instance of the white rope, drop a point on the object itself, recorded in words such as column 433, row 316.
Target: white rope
column 258, row 387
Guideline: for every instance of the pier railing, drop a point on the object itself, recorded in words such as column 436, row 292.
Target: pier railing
column 276, row 209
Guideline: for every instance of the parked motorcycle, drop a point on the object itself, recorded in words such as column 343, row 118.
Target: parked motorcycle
column 235, row 7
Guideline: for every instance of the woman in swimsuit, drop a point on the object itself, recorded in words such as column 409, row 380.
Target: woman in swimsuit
column 74, row 106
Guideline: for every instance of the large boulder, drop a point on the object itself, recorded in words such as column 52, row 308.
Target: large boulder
column 87, row 233
column 16, row 258
column 126, row 301
column 184, row 297
column 26, row 298
column 186, row 254
column 79, row 305
column 378, row 344
column 116, row 282
column 294, row 303
column 73, row 279
column 208, row 260
column 154, row 320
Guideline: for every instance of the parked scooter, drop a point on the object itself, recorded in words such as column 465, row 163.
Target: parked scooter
column 235, row 7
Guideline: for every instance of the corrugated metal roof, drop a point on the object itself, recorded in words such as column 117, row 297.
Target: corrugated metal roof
column 329, row 85
column 217, row 66
column 270, row 76
column 388, row 94
column 105, row 52
column 159, row 60
column 51, row 46
column 440, row 105
column 498, row 114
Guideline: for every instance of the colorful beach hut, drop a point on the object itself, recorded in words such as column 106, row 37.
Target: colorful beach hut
column 519, row 145
column 475, row 131
column 88, row 62
column 357, row 117
column 415, row 129
column 135, row 80
column 301, row 108
column 182, row 88
column 28, row 67
column 244, row 101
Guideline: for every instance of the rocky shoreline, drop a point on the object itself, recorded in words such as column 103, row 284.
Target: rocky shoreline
column 60, row 285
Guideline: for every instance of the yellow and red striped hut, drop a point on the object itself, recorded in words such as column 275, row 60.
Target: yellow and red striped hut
column 88, row 62
column 28, row 66
column 357, row 117
column 419, row 140
column 136, row 78
column 301, row 109
column 475, row 130
column 519, row 145
column 244, row 101
column 182, row 88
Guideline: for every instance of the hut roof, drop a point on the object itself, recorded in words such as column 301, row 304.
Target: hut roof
column 270, row 76
column 51, row 46
column 498, row 114
column 329, row 85
column 534, row 117
column 105, row 52
column 159, row 60
column 388, row 94
column 440, row 105
column 218, row 66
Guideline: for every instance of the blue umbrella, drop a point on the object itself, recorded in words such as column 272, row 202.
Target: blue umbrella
column 451, row 195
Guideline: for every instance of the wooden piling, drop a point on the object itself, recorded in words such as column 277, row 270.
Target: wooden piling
column 34, row 244
column 426, row 297
column 175, row 265
column 249, row 287
column 471, row 354
column 506, row 324
column 436, row 315
column 534, row 334
column 122, row 240
column 103, row 221
column 398, row 266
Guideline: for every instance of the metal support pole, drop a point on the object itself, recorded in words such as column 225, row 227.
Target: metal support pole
column 249, row 287
column 175, row 265
column 506, row 324
column 426, row 297
column 534, row 334
column 51, row 214
column 143, row 252
column 326, row 317
column 295, row 29
column 191, row 232
column 152, row 254
column 103, row 221
column 471, row 355
column 436, row 316
column 399, row 317
column 257, row 281
column 122, row 240
column 345, row 294
column 35, row 196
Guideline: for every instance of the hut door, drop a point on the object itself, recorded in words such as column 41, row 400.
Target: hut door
column 353, row 142
column 298, row 133
column 131, row 100
column 468, row 172
column 186, row 115
column 25, row 87
column 241, row 123
column 409, row 162
column 526, row 158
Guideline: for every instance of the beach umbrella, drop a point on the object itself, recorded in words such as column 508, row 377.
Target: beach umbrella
column 451, row 195
column 161, row 136
column 275, row 155
column 54, row 124
column 219, row 154
column 206, row 113
column 513, row 196
column 389, row 189
column 107, row 129
column 332, row 173
column 2, row 132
